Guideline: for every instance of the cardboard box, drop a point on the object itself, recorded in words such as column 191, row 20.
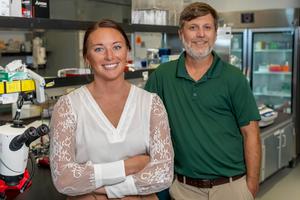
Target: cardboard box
column 40, row 8
column 27, row 8
column 15, row 8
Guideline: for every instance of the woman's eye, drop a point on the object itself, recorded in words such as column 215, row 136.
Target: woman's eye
column 99, row 49
column 117, row 47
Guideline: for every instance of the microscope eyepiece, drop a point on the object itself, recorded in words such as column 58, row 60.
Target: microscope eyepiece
column 28, row 136
column 43, row 130
column 18, row 141
column 40, row 131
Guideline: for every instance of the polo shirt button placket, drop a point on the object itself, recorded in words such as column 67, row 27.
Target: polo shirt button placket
column 194, row 91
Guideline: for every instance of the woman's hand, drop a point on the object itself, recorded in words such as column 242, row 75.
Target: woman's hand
column 100, row 191
column 140, row 197
column 90, row 196
column 135, row 164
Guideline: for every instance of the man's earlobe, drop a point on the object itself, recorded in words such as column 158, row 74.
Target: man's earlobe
column 179, row 35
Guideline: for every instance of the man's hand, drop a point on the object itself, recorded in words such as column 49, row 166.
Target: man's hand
column 252, row 151
column 253, row 185
column 135, row 164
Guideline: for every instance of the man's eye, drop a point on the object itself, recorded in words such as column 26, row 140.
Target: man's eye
column 192, row 28
column 208, row 28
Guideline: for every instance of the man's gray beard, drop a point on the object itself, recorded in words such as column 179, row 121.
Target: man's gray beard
column 194, row 54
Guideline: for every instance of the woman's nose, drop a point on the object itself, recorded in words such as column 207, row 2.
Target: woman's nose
column 109, row 54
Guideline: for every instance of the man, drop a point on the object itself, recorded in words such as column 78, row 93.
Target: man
column 212, row 113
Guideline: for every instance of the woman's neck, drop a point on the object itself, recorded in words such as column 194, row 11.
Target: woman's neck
column 101, row 87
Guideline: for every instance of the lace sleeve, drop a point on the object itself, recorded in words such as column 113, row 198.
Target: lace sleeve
column 158, row 174
column 69, row 177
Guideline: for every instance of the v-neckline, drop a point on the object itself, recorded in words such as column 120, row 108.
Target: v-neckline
column 104, row 118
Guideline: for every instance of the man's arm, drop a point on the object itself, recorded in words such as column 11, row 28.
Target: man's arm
column 252, row 149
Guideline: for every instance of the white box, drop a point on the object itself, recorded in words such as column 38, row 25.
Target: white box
column 15, row 8
column 4, row 7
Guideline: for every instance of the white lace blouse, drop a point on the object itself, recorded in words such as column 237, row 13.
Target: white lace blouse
column 87, row 152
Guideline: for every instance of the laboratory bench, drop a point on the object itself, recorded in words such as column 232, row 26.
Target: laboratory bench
column 278, row 146
column 278, row 150
column 42, row 187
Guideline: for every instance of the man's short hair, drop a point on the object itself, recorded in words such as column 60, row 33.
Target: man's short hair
column 197, row 9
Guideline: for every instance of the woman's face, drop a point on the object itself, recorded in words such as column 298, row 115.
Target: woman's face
column 107, row 53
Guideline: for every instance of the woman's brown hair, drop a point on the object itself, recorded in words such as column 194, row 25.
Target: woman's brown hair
column 105, row 23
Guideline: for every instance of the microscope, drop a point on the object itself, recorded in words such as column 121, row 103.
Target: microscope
column 16, row 137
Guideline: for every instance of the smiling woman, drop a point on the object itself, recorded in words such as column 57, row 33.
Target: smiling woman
column 116, row 144
column 106, row 53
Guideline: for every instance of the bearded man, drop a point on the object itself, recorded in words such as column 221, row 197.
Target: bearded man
column 212, row 113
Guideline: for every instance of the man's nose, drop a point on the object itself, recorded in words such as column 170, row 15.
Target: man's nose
column 200, row 32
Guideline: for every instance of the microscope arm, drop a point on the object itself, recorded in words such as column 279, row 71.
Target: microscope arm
column 39, row 85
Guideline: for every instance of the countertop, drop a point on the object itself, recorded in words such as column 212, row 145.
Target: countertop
column 42, row 187
column 283, row 118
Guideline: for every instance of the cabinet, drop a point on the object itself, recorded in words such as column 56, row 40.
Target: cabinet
column 278, row 148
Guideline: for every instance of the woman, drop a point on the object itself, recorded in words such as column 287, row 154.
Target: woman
column 110, row 139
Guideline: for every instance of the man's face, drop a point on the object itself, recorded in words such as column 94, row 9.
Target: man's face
column 198, row 36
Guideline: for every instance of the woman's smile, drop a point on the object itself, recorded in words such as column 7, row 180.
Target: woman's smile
column 110, row 66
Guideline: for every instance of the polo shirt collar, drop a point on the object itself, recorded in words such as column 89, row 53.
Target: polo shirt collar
column 213, row 72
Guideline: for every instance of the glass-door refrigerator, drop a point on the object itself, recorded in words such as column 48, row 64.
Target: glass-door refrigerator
column 296, row 88
column 238, row 48
column 271, row 66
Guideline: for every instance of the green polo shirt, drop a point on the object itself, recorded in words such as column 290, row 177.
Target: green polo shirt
column 205, row 116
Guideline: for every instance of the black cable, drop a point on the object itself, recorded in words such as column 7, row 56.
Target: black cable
column 31, row 174
column 19, row 103
column 3, row 196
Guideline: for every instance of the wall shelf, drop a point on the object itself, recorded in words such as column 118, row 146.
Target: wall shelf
column 7, row 54
column 57, row 24
column 53, row 82
column 15, row 54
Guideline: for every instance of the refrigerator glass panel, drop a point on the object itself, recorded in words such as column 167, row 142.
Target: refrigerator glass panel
column 236, row 53
column 272, row 69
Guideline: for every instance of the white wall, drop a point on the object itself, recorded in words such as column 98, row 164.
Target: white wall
column 240, row 5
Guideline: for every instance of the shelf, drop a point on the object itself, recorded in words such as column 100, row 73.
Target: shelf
column 273, row 50
column 57, row 24
column 16, row 54
column 236, row 50
column 53, row 82
column 274, row 94
column 6, row 54
column 268, row 72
